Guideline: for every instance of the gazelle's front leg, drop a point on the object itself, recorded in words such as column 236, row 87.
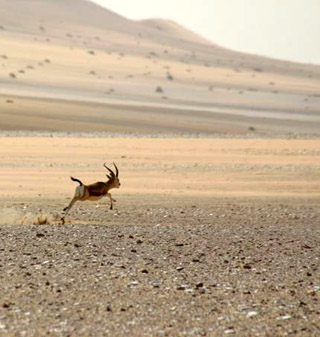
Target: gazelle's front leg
column 111, row 200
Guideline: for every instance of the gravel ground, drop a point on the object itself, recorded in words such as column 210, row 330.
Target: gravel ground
column 171, row 268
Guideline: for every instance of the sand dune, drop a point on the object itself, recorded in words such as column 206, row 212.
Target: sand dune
column 175, row 30
column 92, row 65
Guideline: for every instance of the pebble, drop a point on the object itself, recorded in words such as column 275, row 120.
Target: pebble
column 229, row 331
column 284, row 318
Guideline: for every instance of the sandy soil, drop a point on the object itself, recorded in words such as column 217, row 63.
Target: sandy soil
column 209, row 237
column 40, row 167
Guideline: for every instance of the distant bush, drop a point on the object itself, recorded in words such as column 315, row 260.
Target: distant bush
column 169, row 77
column 159, row 89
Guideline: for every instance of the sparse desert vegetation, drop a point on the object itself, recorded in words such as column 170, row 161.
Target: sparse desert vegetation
column 159, row 89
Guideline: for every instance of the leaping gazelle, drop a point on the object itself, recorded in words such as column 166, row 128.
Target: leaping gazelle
column 95, row 191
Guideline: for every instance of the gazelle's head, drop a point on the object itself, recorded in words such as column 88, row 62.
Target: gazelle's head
column 113, row 177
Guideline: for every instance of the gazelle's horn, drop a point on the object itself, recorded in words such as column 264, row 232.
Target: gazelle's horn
column 117, row 171
column 111, row 172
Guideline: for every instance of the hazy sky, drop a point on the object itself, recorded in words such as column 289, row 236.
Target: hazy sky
column 286, row 29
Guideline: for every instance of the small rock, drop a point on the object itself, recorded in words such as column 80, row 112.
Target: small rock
column 286, row 317
column 251, row 313
column 181, row 287
column 40, row 235
column 229, row 331
column 155, row 283
column 133, row 283
column 247, row 266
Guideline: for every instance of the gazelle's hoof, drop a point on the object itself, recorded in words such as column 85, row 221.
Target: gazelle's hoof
column 62, row 221
column 111, row 207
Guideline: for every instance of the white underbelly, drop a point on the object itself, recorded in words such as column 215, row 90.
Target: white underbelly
column 94, row 198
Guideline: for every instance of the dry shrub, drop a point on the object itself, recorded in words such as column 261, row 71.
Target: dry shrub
column 169, row 77
column 159, row 89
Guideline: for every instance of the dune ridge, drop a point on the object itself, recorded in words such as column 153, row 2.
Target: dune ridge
column 76, row 66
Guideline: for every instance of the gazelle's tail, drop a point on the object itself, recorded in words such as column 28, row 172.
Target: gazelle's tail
column 77, row 180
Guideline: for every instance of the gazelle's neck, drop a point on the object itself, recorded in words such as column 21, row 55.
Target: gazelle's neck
column 110, row 184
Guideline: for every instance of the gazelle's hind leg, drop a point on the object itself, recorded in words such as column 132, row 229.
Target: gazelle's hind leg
column 67, row 209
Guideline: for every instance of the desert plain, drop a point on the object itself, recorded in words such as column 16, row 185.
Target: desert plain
column 216, row 228
column 208, row 237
